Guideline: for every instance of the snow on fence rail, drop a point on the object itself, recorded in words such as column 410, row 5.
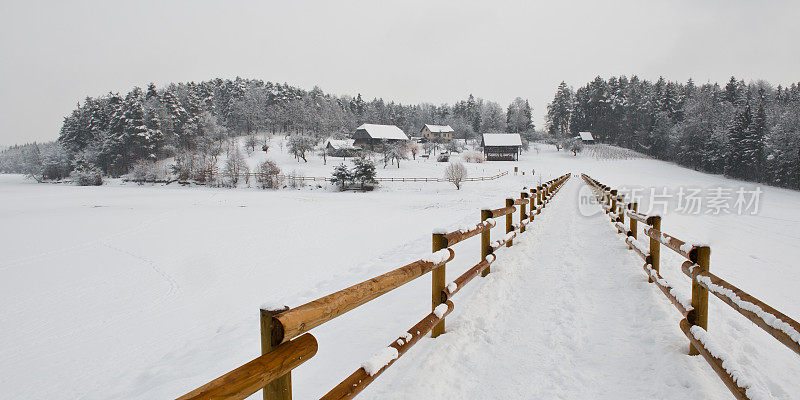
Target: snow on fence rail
column 285, row 343
column 695, row 309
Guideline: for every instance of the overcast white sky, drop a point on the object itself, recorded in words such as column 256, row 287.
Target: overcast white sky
column 55, row 53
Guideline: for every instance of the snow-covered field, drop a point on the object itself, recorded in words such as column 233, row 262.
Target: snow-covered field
column 143, row 292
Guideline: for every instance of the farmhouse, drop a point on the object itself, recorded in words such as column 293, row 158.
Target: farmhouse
column 373, row 135
column 501, row 146
column 586, row 137
column 342, row 148
column 437, row 132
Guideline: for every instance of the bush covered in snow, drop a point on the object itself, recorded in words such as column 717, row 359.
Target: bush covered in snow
column 473, row 157
column 87, row 175
column 268, row 175
column 146, row 171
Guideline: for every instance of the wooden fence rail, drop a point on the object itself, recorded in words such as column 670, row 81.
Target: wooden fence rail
column 289, row 177
column 286, row 343
column 694, row 309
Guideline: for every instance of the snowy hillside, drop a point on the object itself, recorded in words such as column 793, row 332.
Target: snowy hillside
column 143, row 292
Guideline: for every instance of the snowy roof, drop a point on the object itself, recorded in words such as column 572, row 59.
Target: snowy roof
column 346, row 144
column 586, row 135
column 376, row 131
column 502, row 139
column 438, row 128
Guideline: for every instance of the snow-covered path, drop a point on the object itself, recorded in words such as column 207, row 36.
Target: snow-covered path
column 566, row 313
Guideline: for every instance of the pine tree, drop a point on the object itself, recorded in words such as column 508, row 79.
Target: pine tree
column 151, row 91
column 559, row 110
column 136, row 139
column 754, row 151
column 364, row 172
column 736, row 163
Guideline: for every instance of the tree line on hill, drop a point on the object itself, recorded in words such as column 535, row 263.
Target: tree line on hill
column 110, row 134
column 745, row 131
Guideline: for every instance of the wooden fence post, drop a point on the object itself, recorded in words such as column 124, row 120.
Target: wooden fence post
column 523, row 214
column 438, row 282
column 614, row 205
column 545, row 194
column 699, row 314
column 655, row 245
column 621, row 209
column 486, row 240
column 635, row 207
column 509, row 221
column 281, row 388
column 540, row 197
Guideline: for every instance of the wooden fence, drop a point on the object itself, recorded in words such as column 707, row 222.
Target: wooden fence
column 290, row 177
column 285, row 343
column 695, row 308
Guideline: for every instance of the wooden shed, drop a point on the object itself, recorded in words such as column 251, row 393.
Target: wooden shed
column 342, row 148
column 373, row 135
column 501, row 146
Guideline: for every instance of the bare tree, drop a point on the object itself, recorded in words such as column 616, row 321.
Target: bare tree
column 455, row 173
column 413, row 148
column 397, row 152
column 250, row 144
column 299, row 145
column 235, row 166
column 575, row 146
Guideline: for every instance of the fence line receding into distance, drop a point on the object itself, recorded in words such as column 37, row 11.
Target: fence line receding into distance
column 286, row 343
column 695, row 308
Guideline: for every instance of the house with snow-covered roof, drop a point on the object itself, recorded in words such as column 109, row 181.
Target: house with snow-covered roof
column 586, row 137
column 374, row 135
column 431, row 132
column 342, row 148
column 501, row 146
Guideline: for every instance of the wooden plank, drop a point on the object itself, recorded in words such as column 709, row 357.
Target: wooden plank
column 466, row 277
column 312, row 314
column 251, row 377
column 726, row 292
column 499, row 212
column 666, row 289
column 633, row 245
column 667, row 240
column 459, row 235
column 360, row 379
column 715, row 363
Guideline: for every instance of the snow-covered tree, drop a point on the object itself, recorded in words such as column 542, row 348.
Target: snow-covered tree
column 455, row 172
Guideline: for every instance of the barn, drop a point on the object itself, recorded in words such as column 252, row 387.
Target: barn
column 501, row 146
column 586, row 137
column 342, row 148
column 443, row 132
column 372, row 135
